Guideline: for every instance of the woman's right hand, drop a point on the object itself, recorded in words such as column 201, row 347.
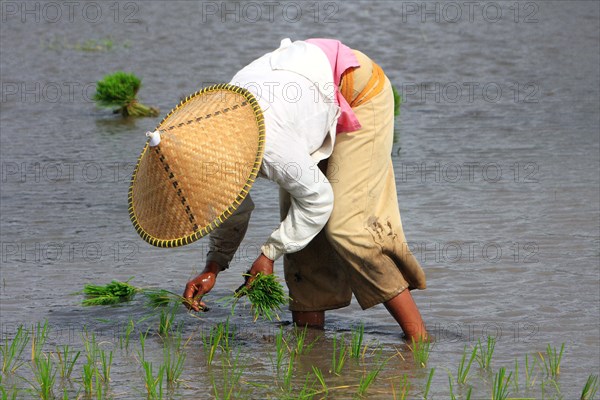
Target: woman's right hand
column 196, row 288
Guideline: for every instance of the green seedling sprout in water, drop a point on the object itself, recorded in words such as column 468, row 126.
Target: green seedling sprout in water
column 500, row 384
column 67, row 358
column 173, row 360
column 45, row 375
column 13, row 349
column 590, row 388
column 420, row 350
column 551, row 362
column 484, row 358
column 118, row 91
column 464, row 366
column 428, row 384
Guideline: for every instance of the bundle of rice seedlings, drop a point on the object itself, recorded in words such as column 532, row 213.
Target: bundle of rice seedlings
column 162, row 298
column 118, row 91
column 266, row 296
column 112, row 293
column 118, row 292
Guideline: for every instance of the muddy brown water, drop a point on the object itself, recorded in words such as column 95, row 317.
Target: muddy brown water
column 496, row 160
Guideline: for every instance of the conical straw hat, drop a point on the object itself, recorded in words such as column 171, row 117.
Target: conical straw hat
column 209, row 154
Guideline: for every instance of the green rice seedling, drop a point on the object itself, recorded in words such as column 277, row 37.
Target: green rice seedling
column 162, row 298
column 484, row 358
column 112, row 293
column 12, row 350
column 142, row 354
column 590, row 388
column 227, row 336
column 153, row 384
column 118, row 91
column 319, row 375
column 124, row 339
column 280, row 349
column 428, row 384
column 45, row 375
column 87, row 378
column 66, row 361
column 516, row 376
column 266, row 296
column 338, row 357
column 90, row 373
column 99, row 386
column 38, row 339
column 300, row 336
column 289, row 373
column 300, row 341
column 555, row 388
column 421, row 350
column 367, row 380
column 552, row 360
column 469, row 392
column 404, row 388
column 6, row 395
column 357, row 340
column 166, row 321
column 212, row 342
column 173, row 362
column 106, row 363
column 529, row 368
column 307, row 391
column 463, row 370
column 500, row 386
column 92, row 350
column 232, row 371
column 451, row 387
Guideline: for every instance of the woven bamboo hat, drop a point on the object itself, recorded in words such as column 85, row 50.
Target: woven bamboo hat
column 197, row 167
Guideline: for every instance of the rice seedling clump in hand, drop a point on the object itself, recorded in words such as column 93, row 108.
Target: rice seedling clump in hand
column 118, row 91
column 112, row 293
column 266, row 296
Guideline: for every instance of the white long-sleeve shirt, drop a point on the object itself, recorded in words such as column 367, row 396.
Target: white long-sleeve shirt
column 294, row 87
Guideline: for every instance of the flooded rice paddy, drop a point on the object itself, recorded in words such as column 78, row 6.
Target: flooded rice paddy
column 496, row 161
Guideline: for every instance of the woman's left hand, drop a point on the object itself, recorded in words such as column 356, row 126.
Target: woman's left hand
column 262, row 265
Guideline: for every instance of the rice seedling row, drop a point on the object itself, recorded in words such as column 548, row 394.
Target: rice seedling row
column 72, row 371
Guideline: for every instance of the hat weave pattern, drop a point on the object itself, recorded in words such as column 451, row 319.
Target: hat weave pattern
column 209, row 155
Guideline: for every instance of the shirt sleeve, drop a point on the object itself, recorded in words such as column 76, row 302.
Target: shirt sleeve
column 225, row 240
column 311, row 196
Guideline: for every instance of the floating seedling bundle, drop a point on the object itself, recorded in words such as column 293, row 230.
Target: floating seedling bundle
column 112, row 293
column 119, row 292
column 118, row 91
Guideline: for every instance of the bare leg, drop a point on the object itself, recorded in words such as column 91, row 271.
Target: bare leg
column 404, row 310
column 312, row 319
